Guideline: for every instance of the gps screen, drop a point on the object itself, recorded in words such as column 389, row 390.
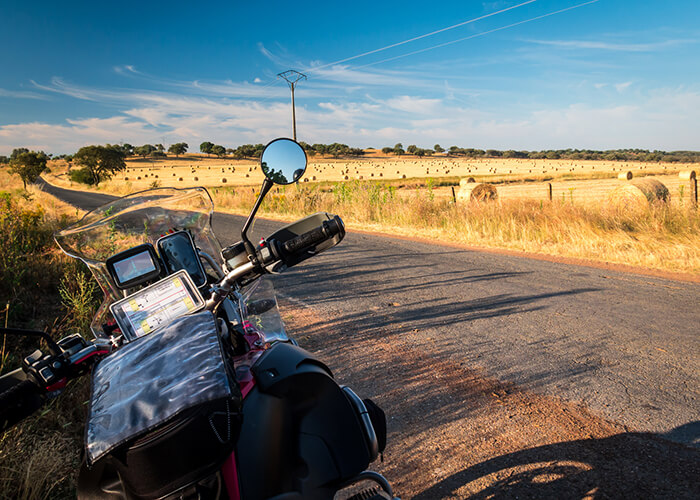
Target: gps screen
column 133, row 267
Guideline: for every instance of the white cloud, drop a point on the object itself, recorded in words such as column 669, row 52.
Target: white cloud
column 621, row 87
column 611, row 46
column 232, row 113
column 21, row 94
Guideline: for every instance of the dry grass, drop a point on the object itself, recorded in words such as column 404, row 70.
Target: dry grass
column 583, row 220
column 40, row 457
column 657, row 236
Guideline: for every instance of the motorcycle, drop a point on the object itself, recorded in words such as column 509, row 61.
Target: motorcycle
column 197, row 391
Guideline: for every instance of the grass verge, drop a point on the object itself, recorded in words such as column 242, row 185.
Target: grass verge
column 42, row 289
column 656, row 236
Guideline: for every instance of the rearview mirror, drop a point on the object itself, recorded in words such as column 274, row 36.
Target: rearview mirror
column 283, row 161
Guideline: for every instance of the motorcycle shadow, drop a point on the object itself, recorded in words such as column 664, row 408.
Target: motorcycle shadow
column 626, row 465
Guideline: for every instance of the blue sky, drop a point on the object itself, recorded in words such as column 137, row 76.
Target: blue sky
column 522, row 75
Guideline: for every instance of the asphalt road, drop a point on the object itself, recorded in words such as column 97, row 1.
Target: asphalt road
column 627, row 346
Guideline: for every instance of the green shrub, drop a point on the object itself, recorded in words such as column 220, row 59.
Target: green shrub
column 82, row 176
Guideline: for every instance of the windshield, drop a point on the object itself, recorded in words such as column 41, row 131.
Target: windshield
column 261, row 313
column 130, row 221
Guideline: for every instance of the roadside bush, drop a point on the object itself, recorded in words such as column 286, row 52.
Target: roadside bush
column 82, row 176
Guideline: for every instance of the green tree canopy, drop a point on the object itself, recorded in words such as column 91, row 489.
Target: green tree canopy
column 438, row 149
column 27, row 164
column 101, row 162
column 206, row 147
column 178, row 148
column 218, row 150
column 144, row 150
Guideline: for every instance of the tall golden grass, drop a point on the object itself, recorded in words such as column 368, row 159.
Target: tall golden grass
column 39, row 458
column 659, row 236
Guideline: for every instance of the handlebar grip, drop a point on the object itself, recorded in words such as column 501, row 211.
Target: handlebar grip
column 18, row 402
column 326, row 231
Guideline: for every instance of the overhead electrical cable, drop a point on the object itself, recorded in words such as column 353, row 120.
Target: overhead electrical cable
column 310, row 70
column 475, row 35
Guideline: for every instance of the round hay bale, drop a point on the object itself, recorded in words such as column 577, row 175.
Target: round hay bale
column 625, row 176
column 180, row 179
column 640, row 192
column 652, row 189
column 472, row 191
column 466, row 180
column 196, row 178
column 223, row 181
column 687, row 175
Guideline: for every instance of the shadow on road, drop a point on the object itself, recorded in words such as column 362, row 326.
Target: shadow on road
column 627, row 465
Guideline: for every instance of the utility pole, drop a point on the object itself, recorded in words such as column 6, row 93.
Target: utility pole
column 292, row 77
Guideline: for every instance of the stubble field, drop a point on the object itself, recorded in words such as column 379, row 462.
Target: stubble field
column 587, row 217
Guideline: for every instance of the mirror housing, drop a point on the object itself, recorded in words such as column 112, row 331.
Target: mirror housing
column 283, row 161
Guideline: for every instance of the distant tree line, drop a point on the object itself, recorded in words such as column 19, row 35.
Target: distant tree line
column 554, row 154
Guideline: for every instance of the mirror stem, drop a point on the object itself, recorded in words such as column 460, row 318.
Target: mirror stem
column 266, row 186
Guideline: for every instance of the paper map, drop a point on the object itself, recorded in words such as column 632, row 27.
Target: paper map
column 157, row 305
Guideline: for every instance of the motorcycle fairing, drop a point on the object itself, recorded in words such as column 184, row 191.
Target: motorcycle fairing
column 300, row 431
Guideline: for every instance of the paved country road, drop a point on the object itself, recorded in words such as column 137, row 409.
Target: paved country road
column 626, row 346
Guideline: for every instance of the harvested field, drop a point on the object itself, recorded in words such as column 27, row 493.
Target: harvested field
column 196, row 170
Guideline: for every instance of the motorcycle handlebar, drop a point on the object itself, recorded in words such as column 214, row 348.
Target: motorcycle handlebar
column 311, row 238
column 19, row 400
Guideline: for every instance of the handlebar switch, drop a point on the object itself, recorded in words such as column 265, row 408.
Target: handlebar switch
column 72, row 344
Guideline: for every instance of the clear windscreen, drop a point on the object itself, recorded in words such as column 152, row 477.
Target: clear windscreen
column 130, row 221
column 260, row 312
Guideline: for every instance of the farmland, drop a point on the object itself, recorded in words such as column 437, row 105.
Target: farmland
column 407, row 195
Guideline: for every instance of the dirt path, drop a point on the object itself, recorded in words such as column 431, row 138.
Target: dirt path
column 454, row 433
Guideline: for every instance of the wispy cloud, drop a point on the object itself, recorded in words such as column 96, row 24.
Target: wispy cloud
column 21, row 94
column 611, row 46
column 621, row 87
column 663, row 119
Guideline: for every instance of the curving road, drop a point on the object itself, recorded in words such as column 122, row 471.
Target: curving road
column 625, row 345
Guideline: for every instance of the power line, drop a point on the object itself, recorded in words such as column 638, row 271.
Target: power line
column 310, row 70
column 476, row 35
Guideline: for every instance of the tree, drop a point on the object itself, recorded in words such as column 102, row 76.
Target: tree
column 398, row 149
column 144, row 150
column 178, row 148
column 387, row 150
column 4, row 160
column 438, row 149
column 218, row 150
column 160, row 147
column 411, row 149
column 28, row 165
column 101, row 162
column 18, row 151
column 206, row 146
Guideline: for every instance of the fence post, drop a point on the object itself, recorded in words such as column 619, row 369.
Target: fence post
column 694, row 193
column 454, row 197
column 549, row 185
